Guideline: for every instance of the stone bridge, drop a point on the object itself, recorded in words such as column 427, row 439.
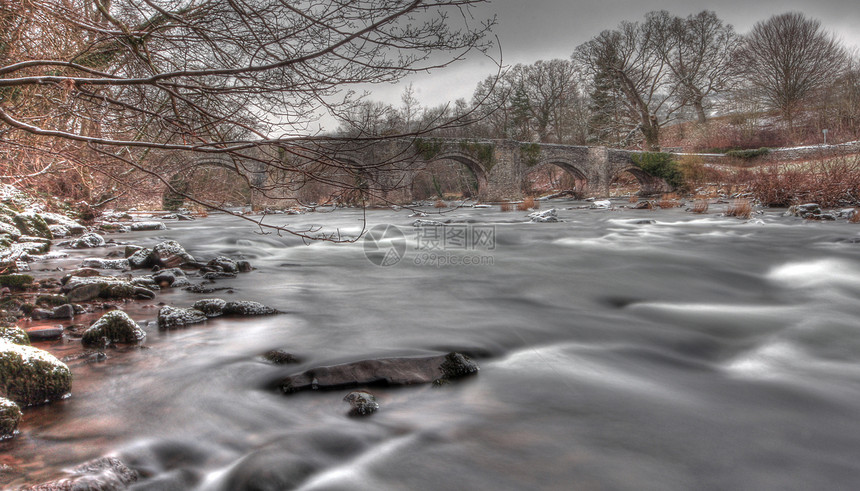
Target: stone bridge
column 500, row 167
column 387, row 168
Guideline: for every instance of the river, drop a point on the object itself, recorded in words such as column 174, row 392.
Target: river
column 619, row 350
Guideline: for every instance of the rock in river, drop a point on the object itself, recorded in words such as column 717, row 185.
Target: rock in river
column 547, row 216
column 247, row 307
column 82, row 289
column 114, row 327
column 10, row 416
column 14, row 335
column 212, row 307
column 386, row 371
column 87, row 241
column 171, row 317
column 170, row 254
column 31, row 376
column 362, row 403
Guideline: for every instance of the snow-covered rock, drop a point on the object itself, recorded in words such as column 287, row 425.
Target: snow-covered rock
column 427, row 223
column 114, row 327
column 601, row 204
column 172, row 317
column 32, row 376
column 547, row 216
column 87, row 241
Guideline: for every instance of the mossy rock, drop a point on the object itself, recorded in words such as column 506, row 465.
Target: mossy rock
column 16, row 281
column 172, row 317
column 51, row 300
column 247, row 307
column 30, row 223
column 10, row 229
column 14, row 335
column 116, row 327
column 10, row 417
column 31, row 376
column 212, row 307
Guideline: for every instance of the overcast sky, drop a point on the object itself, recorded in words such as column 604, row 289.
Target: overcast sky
column 531, row 30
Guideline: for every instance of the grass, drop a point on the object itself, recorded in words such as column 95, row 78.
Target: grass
column 669, row 201
column 700, row 206
column 440, row 204
column 740, row 208
column 633, row 199
column 506, row 206
column 528, row 204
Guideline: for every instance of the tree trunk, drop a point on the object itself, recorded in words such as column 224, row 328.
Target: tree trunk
column 699, row 105
column 651, row 132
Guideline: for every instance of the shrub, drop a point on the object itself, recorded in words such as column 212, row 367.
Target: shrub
column 700, row 206
column 855, row 218
column 527, row 204
column 506, row 207
column 748, row 154
column 440, row 204
column 660, row 164
column 740, row 208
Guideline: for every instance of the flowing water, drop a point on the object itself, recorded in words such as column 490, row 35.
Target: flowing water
column 695, row 352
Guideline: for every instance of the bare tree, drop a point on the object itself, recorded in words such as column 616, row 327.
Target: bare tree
column 627, row 58
column 787, row 58
column 130, row 80
column 698, row 52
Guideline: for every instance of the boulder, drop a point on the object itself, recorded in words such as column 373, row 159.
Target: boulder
column 244, row 266
column 103, row 474
column 361, row 402
column 10, row 417
column 14, row 335
column 114, row 327
column 280, row 357
column 46, row 334
column 81, row 272
column 546, row 216
column 211, row 307
column 87, row 241
column 59, row 231
column 98, row 263
column 246, row 307
column 427, row 223
column 31, row 376
column 141, row 258
column 223, row 263
column 143, row 226
column 170, row 254
column 74, row 227
column 30, row 223
column 81, row 289
column 172, row 317
column 9, row 229
column 808, row 210
column 604, row 204
column 386, row 371
column 16, row 281
column 218, row 275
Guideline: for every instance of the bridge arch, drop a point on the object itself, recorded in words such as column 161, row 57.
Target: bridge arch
column 578, row 176
column 648, row 184
column 477, row 171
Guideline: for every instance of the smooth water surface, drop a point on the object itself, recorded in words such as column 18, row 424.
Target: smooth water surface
column 696, row 352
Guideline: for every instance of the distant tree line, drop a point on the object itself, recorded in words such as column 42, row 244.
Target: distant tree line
column 626, row 85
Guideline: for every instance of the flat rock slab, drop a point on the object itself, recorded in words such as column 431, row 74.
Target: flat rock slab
column 384, row 371
column 45, row 334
